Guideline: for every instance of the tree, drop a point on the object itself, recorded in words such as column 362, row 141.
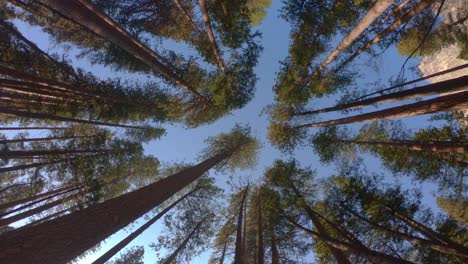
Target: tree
column 133, row 255
column 110, row 216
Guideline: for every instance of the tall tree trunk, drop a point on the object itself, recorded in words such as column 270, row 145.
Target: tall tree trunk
column 88, row 15
column 38, row 196
column 452, row 102
column 174, row 254
column 63, row 239
column 434, row 146
column 260, row 249
column 423, row 4
column 124, row 242
column 33, row 128
column 187, row 16
column 211, row 36
column 43, row 116
column 375, row 12
column 435, row 245
column 339, row 255
column 39, row 209
column 238, row 255
column 56, row 214
column 274, row 246
column 223, row 254
column 9, row 187
column 449, row 86
column 31, row 165
column 20, row 140
column 369, row 254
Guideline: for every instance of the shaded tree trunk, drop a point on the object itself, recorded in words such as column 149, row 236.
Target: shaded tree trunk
column 423, row 4
column 238, row 255
column 88, row 15
column 223, row 254
column 19, row 140
column 449, row 86
column 187, row 16
column 33, row 128
column 434, row 146
column 173, row 256
column 12, row 154
column 274, row 246
column 124, row 242
column 260, row 249
column 452, row 102
column 63, row 239
column 31, row 165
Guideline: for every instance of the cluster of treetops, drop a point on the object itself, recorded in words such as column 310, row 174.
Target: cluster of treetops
column 84, row 176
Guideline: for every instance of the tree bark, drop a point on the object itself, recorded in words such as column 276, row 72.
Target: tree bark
column 238, row 255
column 187, row 16
column 19, row 140
column 434, row 146
column 62, row 239
column 211, row 36
column 449, row 86
column 124, row 242
column 39, row 209
column 33, row 128
column 375, row 12
column 38, row 196
column 12, row 154
column 274, row 246
column 260, row 249
column 31, row 165
column 452, row 102
column 173, row 256
column 403, row 19
column 88, row 15
column 223, row 254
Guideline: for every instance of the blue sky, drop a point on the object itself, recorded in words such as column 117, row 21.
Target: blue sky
column 180, row 144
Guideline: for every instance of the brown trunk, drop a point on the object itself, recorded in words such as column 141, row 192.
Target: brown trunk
column 434, row 146
column 274, row 246
column 33, row 128
column 371, row 255
column 260, row 252
column 38, row 196
column 37, row 210
column 452, row 102
column 62, row 239
column 187, row 16
column 12, row 154
column 378, row 9
column 42, row 116
column 174, row 254
column 223, row 254
column 436, row 245
column 339, row 255
column 399, row 21
column 238, row 257
column 88, row 15
column 124, row 242
column 49, row 217
column 211, row 36
column 11, row 186
column 19, row 140
column 450, row 86
column 31, row 165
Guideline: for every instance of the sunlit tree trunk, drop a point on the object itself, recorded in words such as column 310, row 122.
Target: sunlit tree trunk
column 62, row 239
column 452, row 102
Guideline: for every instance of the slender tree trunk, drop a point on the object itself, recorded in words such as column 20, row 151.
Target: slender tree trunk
column 449, row 86
column 9, row 187
column 38, row 196
column 39, row 209
column 49, row 217
column 274, row 246
column 211, row 36
column 31, row 165
column 187, row 16
column 62, row 239
column 238, row 257
column 423, row 4
column 124, row 242
column 452, row 102
column 88, row 15
column 369, row 254
column 260, row 249
column 174, row 254
column 20, row 140
column 33, row 128
column 434, row 146
column 223, row 254
column 339, row 255
column 14, row 154
column 43, row 116
column 435, row 245
column 375, row 12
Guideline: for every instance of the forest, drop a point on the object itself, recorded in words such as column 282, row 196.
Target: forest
column 234, row 131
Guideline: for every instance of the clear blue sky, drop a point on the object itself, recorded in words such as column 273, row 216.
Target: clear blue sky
column 183, row 145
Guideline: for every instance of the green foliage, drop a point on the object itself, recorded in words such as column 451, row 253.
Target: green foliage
column 284, row 136
column 133, row 255
column 456, row 208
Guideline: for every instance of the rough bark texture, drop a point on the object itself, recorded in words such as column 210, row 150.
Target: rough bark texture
column 62, row 239
column 124, row 242
column 450, row 86
column 238, row 257
column 452, row 102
